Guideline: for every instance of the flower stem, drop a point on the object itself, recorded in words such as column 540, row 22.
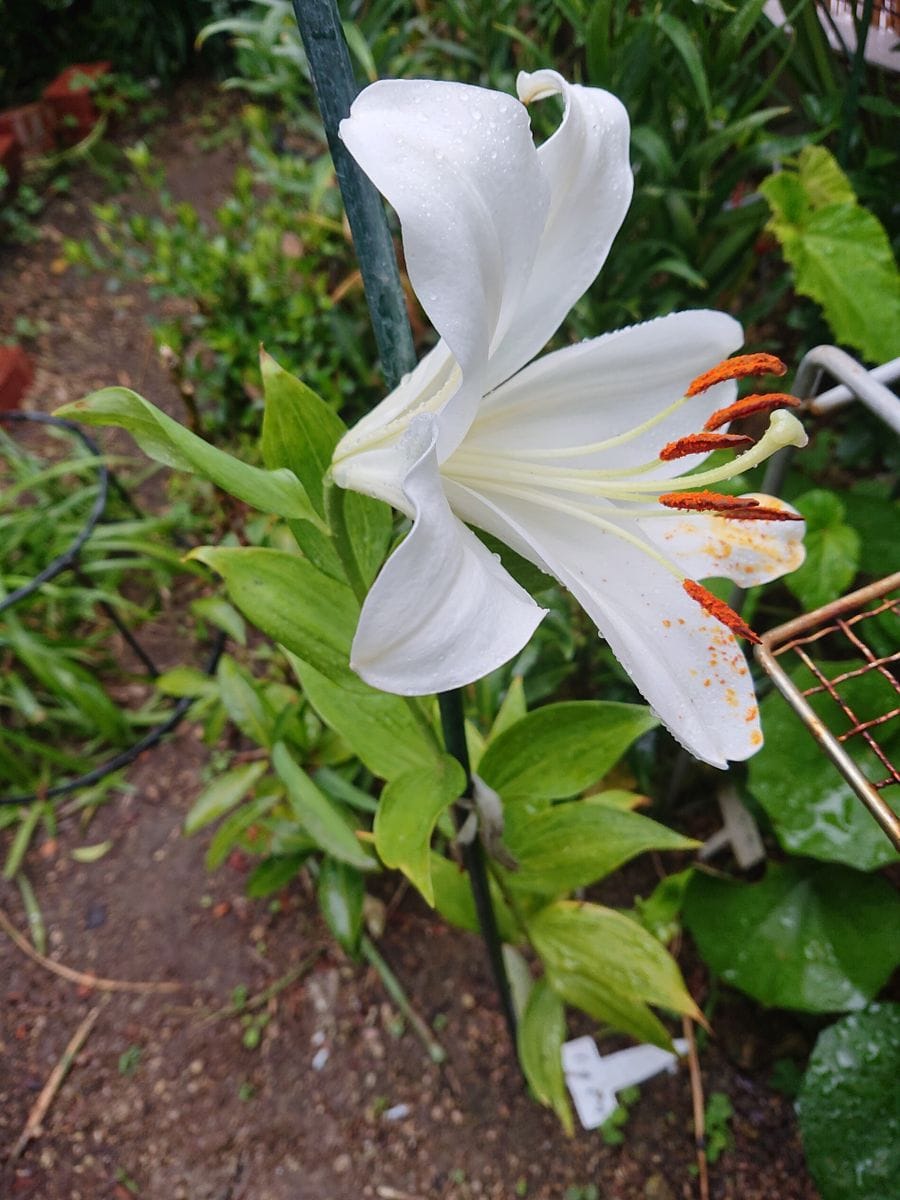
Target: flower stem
column 335, row 87
column 454, row 727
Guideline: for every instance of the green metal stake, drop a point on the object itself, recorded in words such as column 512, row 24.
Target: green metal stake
column 332, row 75
column 336, row 89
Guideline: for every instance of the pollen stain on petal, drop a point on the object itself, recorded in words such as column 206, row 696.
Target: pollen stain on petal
column 751, row 713
column 756, row 738
column 741, row 367
column 750, row 406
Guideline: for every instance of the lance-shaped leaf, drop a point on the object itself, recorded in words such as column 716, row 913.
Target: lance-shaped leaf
column 453, row 900
column 341, row 892
column 165, row 441
column 407, row 814
column 597, row 954
column 317, row 814
column 539, row 1037
column 574, row 845
column 381, row 729
column 561, row 749
column 282, row 594
column 223, row 794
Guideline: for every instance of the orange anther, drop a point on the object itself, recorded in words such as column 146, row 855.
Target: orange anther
column 703, row 443
column 705, row 501
column 749, row 406
column 760, row 513
column 737, row 368
column 719, row 609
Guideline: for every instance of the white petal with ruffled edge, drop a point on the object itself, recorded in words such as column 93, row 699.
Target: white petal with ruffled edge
column 443, row 612
column 459, row 166
column 689, row 668
column 586, row 164
column 747, row 552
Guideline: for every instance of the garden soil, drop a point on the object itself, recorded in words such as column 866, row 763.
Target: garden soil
column 319, row 1091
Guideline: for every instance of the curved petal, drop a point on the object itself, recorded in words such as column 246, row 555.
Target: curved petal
column 460, row 168
column 373, row 457
column 746, row 552
column 612, row 384
column 586, row 164
column 688, row 666
column 442, row 612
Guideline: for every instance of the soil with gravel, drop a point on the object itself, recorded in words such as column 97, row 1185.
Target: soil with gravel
column 316, row 1090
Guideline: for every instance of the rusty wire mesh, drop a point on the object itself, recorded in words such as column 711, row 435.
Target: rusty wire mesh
column 841, row 631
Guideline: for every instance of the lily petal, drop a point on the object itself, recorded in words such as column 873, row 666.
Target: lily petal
column 689, row 668
column 746, row 552
column 459, row 166
column 586, row 164
column 442, row 612
column 604, row 387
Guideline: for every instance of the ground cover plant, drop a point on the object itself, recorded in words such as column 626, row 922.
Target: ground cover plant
column 342, row 747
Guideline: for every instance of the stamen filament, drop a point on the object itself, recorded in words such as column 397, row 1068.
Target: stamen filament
column 544, row 500
column 612, row 443
column 482, row 467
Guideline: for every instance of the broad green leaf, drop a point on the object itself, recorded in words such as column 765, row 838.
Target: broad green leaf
column 574, row 845
column 876, row 519
column 832, row 551
column 539, row 1039
column 561, row 749
column 822, row 179
column 379, row 728
column 310, row 614
column 273, row 874
column 221, row 614
column 341, row 894
column 245, row 703
column 317, row 814
column 810, row 936
column 299, row 430
column 849, row 1106
column 167, row 442
column 813, row 809
column 609, row 949
column 407, row 814
column 840, row 253
column 223, row 794
column 453, row 900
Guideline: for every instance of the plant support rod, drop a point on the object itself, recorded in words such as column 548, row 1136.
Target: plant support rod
column 335, row 87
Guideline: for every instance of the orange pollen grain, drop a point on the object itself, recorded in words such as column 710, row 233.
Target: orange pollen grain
column 719, row 609
column 703, row 443
column 742, row 367
column 706, row 501
column 749, row 406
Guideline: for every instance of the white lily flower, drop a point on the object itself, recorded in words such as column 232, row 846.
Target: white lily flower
column 560, row 459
